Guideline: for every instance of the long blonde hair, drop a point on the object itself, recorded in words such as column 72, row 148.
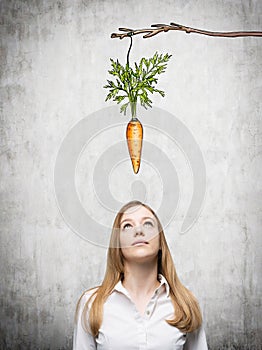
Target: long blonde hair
column 187, row 315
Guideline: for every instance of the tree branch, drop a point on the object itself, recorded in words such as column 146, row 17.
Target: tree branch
column 158, row 28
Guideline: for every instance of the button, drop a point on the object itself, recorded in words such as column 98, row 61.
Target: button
column 156, row 291
column 148, row 312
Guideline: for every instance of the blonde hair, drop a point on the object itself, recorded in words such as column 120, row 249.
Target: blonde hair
column 187, row 315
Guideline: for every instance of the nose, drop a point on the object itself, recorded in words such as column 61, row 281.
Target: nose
column 139, row 231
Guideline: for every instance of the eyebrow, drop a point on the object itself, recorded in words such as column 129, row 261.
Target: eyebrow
column 143, row 218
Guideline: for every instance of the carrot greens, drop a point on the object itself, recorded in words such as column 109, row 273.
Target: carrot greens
column 136, row 84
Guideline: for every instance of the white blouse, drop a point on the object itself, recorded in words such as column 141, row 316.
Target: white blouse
column 123, row 328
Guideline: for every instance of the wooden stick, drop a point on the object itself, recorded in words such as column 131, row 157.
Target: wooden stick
column 158, row 28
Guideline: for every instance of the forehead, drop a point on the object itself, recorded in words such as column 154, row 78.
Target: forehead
column 137, row 212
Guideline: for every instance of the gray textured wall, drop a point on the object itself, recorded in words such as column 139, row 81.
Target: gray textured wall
column 54, row 61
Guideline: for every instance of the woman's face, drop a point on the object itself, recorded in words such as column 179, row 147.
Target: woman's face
column 139, row 234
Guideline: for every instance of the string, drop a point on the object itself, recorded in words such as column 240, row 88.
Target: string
column 131, row 43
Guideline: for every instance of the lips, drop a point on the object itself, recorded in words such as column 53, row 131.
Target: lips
column 139, row 242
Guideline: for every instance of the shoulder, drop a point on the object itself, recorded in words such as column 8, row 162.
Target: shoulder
column 86, row 296
column 89, row 292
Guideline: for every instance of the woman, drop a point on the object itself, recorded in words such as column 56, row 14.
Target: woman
column 141, row 304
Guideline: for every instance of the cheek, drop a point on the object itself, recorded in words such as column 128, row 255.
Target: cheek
column 151, row 234
column 155, row 241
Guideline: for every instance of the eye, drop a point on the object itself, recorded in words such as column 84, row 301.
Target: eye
column 126, row 226
column 148, row 224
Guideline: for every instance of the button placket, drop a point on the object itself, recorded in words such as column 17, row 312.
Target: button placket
column 153, row 302
column 143, row 343
column 149, row 309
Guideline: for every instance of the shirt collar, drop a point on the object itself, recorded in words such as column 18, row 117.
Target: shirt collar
column 163, row 282
column 120, row 288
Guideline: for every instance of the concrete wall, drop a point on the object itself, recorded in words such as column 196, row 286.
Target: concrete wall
column 54, row 62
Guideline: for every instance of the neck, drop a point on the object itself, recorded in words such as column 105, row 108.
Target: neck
column 140, row 279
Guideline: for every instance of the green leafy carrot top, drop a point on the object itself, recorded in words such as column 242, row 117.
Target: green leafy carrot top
column 131, row 84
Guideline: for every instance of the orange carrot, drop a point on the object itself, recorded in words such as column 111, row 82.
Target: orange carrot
column 134, row 136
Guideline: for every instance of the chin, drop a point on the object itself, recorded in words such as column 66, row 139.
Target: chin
column 140, row 257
